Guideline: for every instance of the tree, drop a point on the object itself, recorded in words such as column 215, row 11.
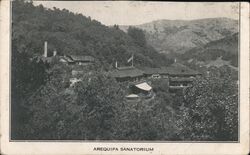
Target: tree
column 87, row 111
column 76, row 34
column 45, row 106
column 27, row 75
column 212, row 105
column 138, row 35
column 116, row 27
column 101, row 98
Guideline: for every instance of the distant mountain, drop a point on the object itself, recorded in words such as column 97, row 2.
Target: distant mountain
column 179, row 36
column 221, row 51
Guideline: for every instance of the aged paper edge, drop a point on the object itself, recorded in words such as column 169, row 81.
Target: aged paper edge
column 58, row 147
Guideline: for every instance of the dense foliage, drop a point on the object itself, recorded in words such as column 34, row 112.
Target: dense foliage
column 71, row 33
column 138, row 35
column 26, row 77
column 45, row 106
column 212, row 109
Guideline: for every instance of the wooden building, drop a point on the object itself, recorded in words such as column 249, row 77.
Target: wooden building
column 180, row 76
column 154, row 73
column 177, row 75
column 122, row 74
column 82, row 60
column 77, row 59
column 141, row 88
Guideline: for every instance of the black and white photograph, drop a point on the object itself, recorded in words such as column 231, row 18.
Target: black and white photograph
column 124, row 77
column 124, row 71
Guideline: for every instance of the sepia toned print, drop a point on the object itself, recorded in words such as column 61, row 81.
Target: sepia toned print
column 124, row 77
column 77, row 76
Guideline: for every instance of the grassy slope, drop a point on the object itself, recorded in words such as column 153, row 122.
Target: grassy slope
column 180, row 35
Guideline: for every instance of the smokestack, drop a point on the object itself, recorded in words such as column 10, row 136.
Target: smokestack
column 45, row 49
column 116, row 65
column 175, row 60
column 54, row 53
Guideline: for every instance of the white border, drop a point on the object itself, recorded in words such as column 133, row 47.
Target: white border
column 87, row 148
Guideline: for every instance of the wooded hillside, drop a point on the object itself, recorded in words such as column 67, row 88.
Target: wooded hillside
column 45, row 107
column 71, row 33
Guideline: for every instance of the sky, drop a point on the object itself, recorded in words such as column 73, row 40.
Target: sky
column 138, row 12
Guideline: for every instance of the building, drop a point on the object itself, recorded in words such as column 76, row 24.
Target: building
column 82, row 60
column 143, row 89
column 45, row 58
column 180, row 76
column 177, row 69
column 140, row 90
column 154, row 73
column 73, row 81
column 67, row 60
column 133, row 97
column 76, row 72
column 177, row 75
column 122, row 74
column 77, row 59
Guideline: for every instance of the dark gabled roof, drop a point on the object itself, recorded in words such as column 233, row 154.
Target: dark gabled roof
column 179, row 69
column 150, row 71
column 81, row 58
column 163, row 70
column 45, row 59
column 125, row 67
column 174, row 69
column 181, row 79
column 66, row 58
column 127, row 72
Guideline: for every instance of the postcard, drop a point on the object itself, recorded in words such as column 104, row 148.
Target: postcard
column 124, row 77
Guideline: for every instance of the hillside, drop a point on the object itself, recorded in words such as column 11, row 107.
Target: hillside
column 223, row 51
column 182, row 35
column 75, row 97
column 71, row 33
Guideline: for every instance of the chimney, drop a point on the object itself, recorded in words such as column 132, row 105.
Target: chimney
column 45, row 49
column 116, row 65
column 175, row 60
column 54, row 53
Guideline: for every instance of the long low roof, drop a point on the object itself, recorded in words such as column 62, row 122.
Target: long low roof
column 127, row 72
column 181, row 79
column 144, row 86
column 174, row 69
column 150, row 71
column 179, row 69
column 81, row 58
